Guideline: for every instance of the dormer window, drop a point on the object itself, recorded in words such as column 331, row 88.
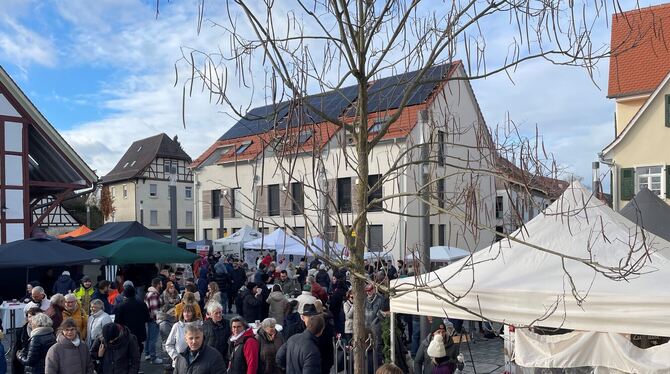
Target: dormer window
column 243, row 147
column 377, row 125
column 126, row 165
column 304, row 136
column 139, row 148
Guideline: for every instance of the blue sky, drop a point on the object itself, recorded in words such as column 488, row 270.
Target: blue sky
column 103, row 73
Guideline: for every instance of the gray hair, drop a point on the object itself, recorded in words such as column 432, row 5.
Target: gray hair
column 193, row 328
column 70, row 297
column 38, row 289
column 57, row 299
column 98, row 303
column 213, row 306
column 268, row 322
column 309, row 279
column 41, row 320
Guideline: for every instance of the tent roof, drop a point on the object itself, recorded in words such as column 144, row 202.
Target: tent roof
column 113, row 231
column 246, row 234
column 649, row 211
column 139, row 250
column 79, row 231
column 280, row 241
column 43, row 252
column 441, row 253
column 522, row 285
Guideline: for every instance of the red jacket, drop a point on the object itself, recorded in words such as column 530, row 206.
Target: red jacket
column 249, row 354
column 266, row 260
column 319, row 292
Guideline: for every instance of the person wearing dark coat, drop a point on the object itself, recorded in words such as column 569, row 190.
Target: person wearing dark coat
column 252, row 304
column 322, row 277
column 134, row 315
column 21, row 338
column 423, row 364
column 269, row 342
column 294, row 324
column 101, row 293
column 325, row 343
column 243, row 349
column 64, row 284
column 300, row 354
column 223, row 279
column 116, row 351
column 42, row 337
column 217, row 330
column 265, row 294
column 238, row 277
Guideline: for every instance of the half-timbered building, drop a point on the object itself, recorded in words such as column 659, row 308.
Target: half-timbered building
column 38, row 168
column 140, row 182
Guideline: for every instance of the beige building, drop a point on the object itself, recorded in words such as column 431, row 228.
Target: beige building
column 266, row 174
column 140, row 181
column 638, row 84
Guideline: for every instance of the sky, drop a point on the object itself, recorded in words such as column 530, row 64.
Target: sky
column 108, row 72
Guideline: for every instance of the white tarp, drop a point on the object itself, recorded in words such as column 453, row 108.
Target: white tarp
column 604, row 351
column 279, row 241
column 234, row 242
column 440, row 254
column 521, row 285
column 318, row 247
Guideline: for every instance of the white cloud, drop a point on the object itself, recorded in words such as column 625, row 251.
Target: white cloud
column 23, row 47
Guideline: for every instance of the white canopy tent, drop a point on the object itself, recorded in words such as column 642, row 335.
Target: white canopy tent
column 441, row 254
column 279, row 241
column 318, row 247
column 234, row 243
column 520, row 285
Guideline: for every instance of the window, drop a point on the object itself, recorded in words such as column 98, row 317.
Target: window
column 216, row 202
column 153, row 217
column 499, row 229
column 188, row 192
column 113, row 192
column 441, row 234
column 139, row 148
column 431, row 235
column 265, row 230
column 126, row 165
column 651, row 178
column 376, row 194
column 299, row 232
column 125, row 191
column 207, row 234
column 189, row 218
column 243, row 147
column 298, row 203
column 221, row 233
column 375, row 238
column 153, row 190
column 440, row 147
column 235, row 202
column 499, row 206
column 304, row 136
column 169, row 166
column 440, row 193
column 133, row 163
column 273, row 200
column 344, row 195
column 377, row 125
column 236, row 229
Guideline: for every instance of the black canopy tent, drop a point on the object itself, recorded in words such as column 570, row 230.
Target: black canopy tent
column 112, row 232
column 44, row 252
column 650, row 212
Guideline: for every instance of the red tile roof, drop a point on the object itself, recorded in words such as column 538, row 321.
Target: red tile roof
column 640, row 50
column 551, row 187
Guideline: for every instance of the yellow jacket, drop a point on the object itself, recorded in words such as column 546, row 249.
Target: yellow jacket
column 84, row 297
column 80, row 319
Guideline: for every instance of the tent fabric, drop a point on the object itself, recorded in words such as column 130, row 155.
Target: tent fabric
column 235, row 241
column 517, row 284
column 139, row 250
column 44, row 252
column 647, row 210
column 318, row 247
column 441, row 254
column 79, row 231
column 114, row 231
column 279, row 241
column 608, row 352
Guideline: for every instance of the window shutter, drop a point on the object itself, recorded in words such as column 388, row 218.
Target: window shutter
column 627, row 183
column 667, row 110
column 667, row 182
column 206, row 211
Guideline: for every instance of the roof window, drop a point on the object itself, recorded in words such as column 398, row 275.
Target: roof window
column 377, row 125
column 304, row 136
column 243, row 147
column 126, row 165
column 139, row 148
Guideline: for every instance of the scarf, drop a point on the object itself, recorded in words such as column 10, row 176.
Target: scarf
column 76, row 341
column 40, row 331
column 234, row 338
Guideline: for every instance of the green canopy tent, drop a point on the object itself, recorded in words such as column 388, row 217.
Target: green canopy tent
column 140, row 250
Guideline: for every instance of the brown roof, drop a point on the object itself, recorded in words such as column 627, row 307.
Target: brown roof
column 141, row 153
column 551, row 187
column 640, row 50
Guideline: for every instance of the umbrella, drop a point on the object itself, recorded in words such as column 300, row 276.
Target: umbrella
column 140, row 250
column 44, row 252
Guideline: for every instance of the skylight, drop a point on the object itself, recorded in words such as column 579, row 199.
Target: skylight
column 304, row 136
column 243, row 147
column 126, row 165
column 139, row 149
column 377, row 125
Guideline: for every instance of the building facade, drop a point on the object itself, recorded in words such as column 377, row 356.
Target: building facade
column 38, row 168
column 278, row 167
column 638, row 85
column 139, row 185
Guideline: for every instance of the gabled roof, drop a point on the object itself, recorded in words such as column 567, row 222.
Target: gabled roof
column 636, row 117
column 53, row 137
column 640, row 50
column 262, row 124
column 141, row 153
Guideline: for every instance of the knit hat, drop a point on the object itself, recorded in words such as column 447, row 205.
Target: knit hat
column 128, row 284
column 437, row 324
column 307, row 288
column 436, row 347
column 85, row 278
column 322, row 267
column 111, row 331
column 65, row 272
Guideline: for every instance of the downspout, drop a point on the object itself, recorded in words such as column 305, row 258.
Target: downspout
column 615, row 180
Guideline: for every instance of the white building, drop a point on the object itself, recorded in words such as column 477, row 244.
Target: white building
column 267, row 174
column 140, row 181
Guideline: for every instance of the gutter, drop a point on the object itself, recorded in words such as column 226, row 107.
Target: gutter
column 615, row 180
column 74, row 196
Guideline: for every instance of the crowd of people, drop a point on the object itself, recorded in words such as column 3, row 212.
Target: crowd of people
column 286, row 318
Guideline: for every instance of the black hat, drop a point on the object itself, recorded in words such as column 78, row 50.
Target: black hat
column 309, row 310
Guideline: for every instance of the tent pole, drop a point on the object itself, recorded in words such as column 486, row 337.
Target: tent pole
column 393, row 337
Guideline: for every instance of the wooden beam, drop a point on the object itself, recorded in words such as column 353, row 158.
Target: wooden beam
column 56, row 184
column 57, row 200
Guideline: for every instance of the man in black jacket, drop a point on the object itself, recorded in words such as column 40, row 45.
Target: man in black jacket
column 252, row 304
column 217, row 329
column 300, row 354
column 199, row 358
column 239, row 276
column 134, row 315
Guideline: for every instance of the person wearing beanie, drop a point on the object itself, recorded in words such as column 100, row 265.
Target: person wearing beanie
column 305, row 297
column 116, row 351
column 84, row 293
column 427, row 361
column 64, row 284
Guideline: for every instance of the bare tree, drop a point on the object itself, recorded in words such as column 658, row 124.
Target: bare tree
column 287, row 51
